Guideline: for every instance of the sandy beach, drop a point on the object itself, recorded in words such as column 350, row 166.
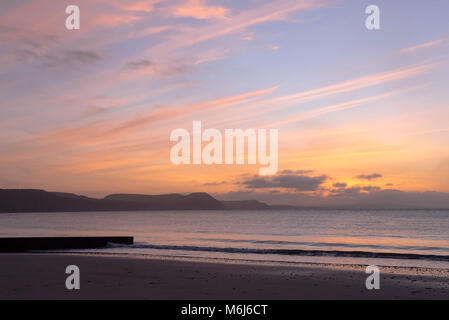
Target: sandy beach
column 42, row 276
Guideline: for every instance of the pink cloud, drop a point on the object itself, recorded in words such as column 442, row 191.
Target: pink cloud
column 425, row 45
column 199, row 10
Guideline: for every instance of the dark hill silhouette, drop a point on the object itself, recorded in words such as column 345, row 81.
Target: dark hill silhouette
column 15, row 200
column 193, row 201
column 245, row 205
column 30, row 200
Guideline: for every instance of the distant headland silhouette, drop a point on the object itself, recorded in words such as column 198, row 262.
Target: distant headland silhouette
column 31, row 200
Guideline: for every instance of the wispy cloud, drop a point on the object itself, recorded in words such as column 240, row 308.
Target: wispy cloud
column 424, row 45
column 329, row 109
column 272, row 11
column 198, row 9
column 160, row 115
column 358, row 83
column 369, row 176
column 212, row 55
column 133, row 5
column 73, row 57
column 139, row 64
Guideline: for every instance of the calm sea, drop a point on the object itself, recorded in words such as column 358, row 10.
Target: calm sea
column 381, row 237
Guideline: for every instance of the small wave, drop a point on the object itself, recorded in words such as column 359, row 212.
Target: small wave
column 291, row 252
column 322, row 244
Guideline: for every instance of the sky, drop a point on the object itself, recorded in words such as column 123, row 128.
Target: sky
column 361, row 114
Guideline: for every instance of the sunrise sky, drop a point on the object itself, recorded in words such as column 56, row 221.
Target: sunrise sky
column 90, row 111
